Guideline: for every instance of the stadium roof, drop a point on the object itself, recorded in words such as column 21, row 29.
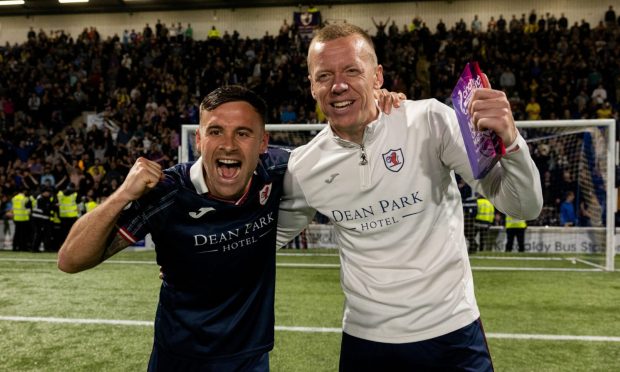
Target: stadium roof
column 46, row 7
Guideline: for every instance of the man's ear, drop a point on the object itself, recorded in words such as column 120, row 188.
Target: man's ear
column 378, row 77
column 264, row 142
column 198, row 139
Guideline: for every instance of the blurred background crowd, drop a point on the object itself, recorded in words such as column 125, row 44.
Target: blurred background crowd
column 77, row 110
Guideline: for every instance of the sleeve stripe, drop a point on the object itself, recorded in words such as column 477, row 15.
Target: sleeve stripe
column 127, row 235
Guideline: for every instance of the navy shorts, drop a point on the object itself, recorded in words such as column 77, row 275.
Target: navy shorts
column 164, row 362
column 462, row 350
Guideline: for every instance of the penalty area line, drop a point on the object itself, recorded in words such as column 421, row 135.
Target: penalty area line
column 143, row 323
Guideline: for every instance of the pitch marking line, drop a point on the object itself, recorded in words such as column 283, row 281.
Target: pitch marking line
column 317, row 266
column 49, row 260
column 514, row 336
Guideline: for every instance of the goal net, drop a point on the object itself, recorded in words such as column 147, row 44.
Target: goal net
column 572, row 156
column 576, row 160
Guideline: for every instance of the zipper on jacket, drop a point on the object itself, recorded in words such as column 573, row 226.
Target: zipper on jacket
column 364, row 169
column 363, row 158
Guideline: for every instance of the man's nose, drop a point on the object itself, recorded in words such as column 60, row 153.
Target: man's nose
column 340, row 85
column 228, row 142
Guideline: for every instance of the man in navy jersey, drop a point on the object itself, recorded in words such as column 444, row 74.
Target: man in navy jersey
column 213, row 223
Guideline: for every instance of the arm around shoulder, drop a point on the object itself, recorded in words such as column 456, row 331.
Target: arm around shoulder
column 295, row 213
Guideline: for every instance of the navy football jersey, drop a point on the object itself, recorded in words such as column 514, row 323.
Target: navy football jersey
column 218, row 259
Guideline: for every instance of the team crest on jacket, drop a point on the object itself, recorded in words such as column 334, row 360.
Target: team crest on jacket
column 263, row 194
column 393, row 159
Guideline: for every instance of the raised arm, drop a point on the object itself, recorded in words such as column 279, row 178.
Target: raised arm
column 93, row 237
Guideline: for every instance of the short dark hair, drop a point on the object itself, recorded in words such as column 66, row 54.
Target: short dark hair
column 234, row 93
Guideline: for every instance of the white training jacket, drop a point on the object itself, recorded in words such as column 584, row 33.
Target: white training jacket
column 398, row 218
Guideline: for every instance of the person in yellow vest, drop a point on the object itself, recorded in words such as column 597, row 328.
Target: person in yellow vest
column 90, row 204
column 214, row 33
column 485, row 215
column 515, row 229
column 21, row 218
column 67, row 209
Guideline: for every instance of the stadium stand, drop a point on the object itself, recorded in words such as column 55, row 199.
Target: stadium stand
column 81, row 109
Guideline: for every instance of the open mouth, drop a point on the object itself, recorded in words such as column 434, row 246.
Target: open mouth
column 227, row 168
column 342, row 104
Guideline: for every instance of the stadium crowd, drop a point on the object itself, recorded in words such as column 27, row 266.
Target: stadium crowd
column 144, row 84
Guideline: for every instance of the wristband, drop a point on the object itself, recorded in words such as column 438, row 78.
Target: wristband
column 513, row 147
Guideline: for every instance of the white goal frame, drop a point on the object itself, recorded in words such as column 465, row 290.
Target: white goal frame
column 610, row 187
column 612, row 159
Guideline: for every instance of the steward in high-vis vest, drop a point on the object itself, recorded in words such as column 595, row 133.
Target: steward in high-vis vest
column 90, row 205
column 41, row 220
column 515, row 228
column 21, row 218
column 485, row 216
column 67, row 209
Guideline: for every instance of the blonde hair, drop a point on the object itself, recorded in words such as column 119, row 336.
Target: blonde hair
column 339, row 30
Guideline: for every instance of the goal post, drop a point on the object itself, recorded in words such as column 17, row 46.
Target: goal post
column 590, row 145
column 583, row 149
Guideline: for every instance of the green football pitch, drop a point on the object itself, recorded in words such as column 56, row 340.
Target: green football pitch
column 539, row 315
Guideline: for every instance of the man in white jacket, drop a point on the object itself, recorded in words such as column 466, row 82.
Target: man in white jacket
column 387, row 184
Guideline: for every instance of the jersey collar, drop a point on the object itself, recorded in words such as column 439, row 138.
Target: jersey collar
column 197, row 177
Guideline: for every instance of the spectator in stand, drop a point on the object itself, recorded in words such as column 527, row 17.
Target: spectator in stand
column 380, row 27
column 461, row 26
column 533, row 109
column 541, row 24
column 563, row 22
column 189, row 32
column 599, row 95
column 287, row 114
column 501, row 24
column 61, row 177
column 393, row 30
column 476, row 25
column 515, row 25
column 214, row 33
column 492, row 25
column 567, row 210
column 507, row 80
column 552, row 22
column 605, row 111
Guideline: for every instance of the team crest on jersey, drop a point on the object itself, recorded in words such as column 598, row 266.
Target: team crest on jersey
column 393, row 160
column 263, row 194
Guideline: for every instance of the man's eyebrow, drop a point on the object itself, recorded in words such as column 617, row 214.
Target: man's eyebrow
column 247, row 127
